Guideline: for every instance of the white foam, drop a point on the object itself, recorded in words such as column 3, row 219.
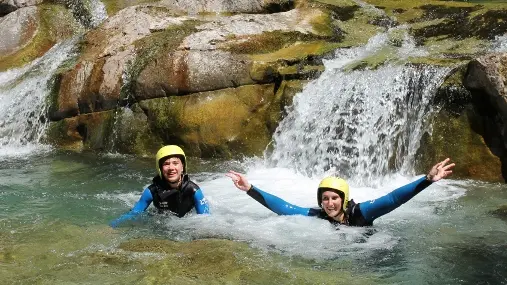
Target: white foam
column 235, row 215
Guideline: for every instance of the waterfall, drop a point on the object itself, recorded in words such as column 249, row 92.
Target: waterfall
column 23, row 96
column 359, row 124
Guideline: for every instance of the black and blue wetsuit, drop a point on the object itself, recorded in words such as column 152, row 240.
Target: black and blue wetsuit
column 362, row 214
column 177, row 201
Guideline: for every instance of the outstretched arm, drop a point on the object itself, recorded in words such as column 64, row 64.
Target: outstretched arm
column 139, row 207
column 383, row 205
column 275, row 204
column 201, row 204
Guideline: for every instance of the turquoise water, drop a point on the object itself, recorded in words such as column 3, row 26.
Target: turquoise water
column 55, row 208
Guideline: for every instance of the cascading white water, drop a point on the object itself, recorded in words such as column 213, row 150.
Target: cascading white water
column 358, row 124
column 23, row 95
column 97, row 12
column 499, row 44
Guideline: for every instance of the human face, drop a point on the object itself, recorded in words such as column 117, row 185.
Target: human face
column 331, row 203
column 172, row 169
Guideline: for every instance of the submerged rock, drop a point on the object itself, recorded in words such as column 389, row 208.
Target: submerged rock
column 501, row 212
column 226, row 262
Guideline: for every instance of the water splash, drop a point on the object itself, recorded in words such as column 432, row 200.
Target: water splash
column 97, row 11
column 499, row 44
column 23, row 107
column 358, row 124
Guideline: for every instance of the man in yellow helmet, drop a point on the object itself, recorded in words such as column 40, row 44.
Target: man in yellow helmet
column 171, row 189
column 333, row 198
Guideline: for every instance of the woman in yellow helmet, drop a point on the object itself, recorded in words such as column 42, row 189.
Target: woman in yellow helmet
column 171, row 190
column 333, row 198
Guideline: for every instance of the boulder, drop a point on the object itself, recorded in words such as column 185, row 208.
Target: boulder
column 30, row 32
column 89, row 131
column 8, row 6
column 215, row 123
column 146, row 52
column 96, row 81
column 223, row 53
column 209, row 124
column 465, row 130
column 227, row 6
column 17, row 29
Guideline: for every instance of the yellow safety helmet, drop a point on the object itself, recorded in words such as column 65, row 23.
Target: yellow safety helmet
column 167, row 151
column 335, row 184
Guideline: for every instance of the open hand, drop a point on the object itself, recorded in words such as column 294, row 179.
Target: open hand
column 239, row 180
column 440, row 170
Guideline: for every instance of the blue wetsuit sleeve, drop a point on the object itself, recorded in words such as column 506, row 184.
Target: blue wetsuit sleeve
column 139, row 207
column 376, row 208
column 201, row 204
column 276, row 204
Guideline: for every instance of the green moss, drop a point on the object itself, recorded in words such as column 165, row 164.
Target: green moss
column 454, row 137
column 455, row 49
column 283, row 99
column 264, row 43
column 358, row 30
column 342, row 10
column 324, row 26
column 338, row 3
column 297, row 51
column 411, row 11
column 133, row 133
column 56, row 134
column 199, row 123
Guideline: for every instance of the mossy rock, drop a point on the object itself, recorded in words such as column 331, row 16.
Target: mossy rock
column 55, row 23
column 216, row 261
column 455, row 137
column 89, row 131
column 283, row 100
column 133, row 134
column 301, row 60
column 267, row 42
column 222, row 123
column 462, row 131
column 500, row 213
column 64, row 134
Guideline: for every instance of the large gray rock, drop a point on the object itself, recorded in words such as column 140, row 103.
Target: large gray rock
column 17, row 29
column 223, row 30
column 202, row 63
column 8, row 6
column 95, row 82
column 235, row 6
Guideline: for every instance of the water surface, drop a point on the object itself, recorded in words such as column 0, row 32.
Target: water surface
column 56, row 207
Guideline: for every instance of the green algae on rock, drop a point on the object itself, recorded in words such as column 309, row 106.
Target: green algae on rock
column 457, row 137
column 201, row 124
column 217, row 261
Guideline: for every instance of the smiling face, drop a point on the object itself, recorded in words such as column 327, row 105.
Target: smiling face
column 331, row 203
column 172, row 169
